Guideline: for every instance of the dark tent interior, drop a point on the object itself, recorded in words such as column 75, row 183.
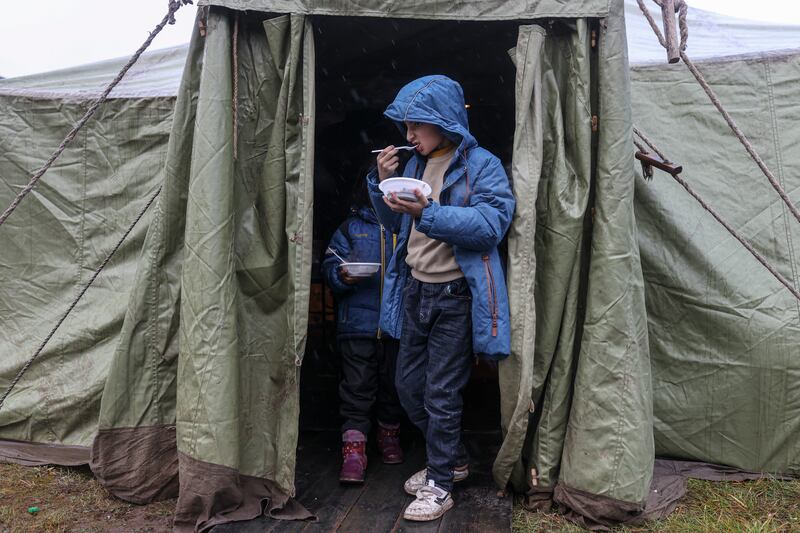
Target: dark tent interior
column 361, row 64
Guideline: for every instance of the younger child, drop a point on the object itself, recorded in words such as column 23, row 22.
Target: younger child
column 368, row 355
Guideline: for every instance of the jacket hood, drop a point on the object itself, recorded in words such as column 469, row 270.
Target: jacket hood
column 436, row 100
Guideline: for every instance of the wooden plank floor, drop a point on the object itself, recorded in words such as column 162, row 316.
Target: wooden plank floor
column 377, row 505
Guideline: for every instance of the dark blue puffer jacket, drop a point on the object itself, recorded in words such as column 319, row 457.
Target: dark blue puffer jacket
column 358, row 239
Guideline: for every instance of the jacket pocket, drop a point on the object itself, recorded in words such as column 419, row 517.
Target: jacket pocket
column 458, row 290
column 491, row 293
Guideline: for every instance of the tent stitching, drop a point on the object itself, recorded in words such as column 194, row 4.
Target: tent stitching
column 781, row 175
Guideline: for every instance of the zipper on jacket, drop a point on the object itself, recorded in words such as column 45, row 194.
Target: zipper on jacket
column 383, row 273
column 492, row 294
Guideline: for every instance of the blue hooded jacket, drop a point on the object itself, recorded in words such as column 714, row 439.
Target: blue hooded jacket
column 473, row 214
column 358, row 239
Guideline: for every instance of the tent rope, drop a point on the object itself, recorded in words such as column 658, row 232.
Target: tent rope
column 718, row 218
column 169, row 18
column 649, row 143
column 78, row 298
column 647, row 170
column 682, row 15
column 640, row 146
column 682, row 9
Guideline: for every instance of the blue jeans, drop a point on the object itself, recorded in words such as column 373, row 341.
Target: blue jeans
column 433, row 367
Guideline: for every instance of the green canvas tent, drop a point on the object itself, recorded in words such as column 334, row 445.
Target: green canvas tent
column 723, row 331
column 62, row 232
column 179, row 371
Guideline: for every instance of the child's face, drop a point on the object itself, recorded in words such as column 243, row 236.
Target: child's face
column 426, row 137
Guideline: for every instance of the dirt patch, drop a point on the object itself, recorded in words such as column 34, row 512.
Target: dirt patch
column 71, row 500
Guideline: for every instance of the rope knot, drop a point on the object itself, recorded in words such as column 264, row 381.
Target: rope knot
column 174, row 6
column 681, row 9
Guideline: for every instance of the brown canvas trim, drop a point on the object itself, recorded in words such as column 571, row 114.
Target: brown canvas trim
column 212, row 494
column 710, row 472
column 670, row 476
column 600, row 513
column 138, row 465
column 538, row 499
column 38, row 454
column 595, row 512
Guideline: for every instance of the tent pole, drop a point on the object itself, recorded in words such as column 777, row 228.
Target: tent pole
column 670, row 30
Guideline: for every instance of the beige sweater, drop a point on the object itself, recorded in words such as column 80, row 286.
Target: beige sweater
column 432, row 261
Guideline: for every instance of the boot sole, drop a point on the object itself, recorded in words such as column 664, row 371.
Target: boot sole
column 351, row 481
column 395, row 462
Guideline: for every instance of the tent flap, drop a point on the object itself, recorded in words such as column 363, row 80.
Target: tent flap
column 516, row 372
column 609, row 439
column 244, row 286
column 215, row 330
column 589, row 445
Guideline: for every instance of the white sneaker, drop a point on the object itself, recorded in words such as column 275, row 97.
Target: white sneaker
column 431, row 503
column 418, row 480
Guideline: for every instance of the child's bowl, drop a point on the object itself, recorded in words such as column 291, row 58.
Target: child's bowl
column 404, row 187
column 360, row 270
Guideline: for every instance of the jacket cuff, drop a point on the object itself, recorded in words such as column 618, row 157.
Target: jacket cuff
column 336, row 283
column 425, row 222
column 373, row 181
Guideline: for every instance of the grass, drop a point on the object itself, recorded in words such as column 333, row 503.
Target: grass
column 71, row 500
column 761, row 506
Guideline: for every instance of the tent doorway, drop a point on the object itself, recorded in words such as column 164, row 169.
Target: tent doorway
column 360, row 65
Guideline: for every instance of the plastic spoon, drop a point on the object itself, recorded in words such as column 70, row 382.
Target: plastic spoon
column 396, row 148
column 331, row 250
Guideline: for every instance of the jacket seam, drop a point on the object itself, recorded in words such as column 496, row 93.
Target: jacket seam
column 410, row 102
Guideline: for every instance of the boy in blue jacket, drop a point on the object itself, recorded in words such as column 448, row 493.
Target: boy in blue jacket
column 444, row 294
column 368, row 356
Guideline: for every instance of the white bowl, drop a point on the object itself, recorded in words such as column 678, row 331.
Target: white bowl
column 361, row 270
column 404, row 187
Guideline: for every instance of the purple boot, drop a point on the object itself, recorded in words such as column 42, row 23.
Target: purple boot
column 354, row 457
column 389, row 443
